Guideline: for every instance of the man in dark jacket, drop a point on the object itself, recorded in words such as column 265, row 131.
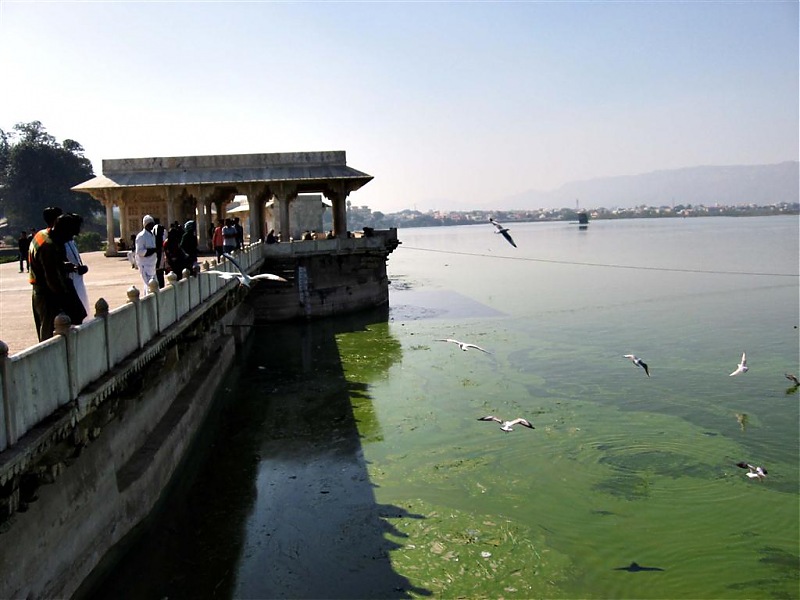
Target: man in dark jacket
column 53, row 290
column 23, row 243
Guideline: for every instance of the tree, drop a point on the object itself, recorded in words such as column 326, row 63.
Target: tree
column 36, row 171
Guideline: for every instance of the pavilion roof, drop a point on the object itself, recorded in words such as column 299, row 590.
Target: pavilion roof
column 226, row 169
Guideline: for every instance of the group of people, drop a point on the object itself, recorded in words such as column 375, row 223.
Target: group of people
column 55, row 272
column 51, row 258
column 157, row 252
column 313, row 235
column 227, row 236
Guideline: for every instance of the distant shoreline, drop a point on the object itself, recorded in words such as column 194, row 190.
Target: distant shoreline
column 361, row 216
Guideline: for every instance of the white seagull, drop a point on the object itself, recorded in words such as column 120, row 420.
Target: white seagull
column 502, row 230
column 464, row 346
column 244, row 278
column 638, row 362
column 753, row 472
column 741, row 367
column 508, row 425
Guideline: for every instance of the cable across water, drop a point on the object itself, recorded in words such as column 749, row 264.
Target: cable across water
column 604, row 265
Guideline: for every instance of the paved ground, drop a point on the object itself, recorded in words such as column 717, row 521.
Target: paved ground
column 107, row 278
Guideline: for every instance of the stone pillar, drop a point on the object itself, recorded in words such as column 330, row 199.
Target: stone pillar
column 338, row 197
column 283, row 217
column 202, row 225
column 169, row 194
column 63, row 324
column 284, row 194
column 203, row 214
column 111, row 247
column 256, row 216
column 9, row 411
column 116, row 197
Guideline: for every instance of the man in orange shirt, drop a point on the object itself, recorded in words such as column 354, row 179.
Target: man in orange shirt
column 217, row 240
column 53, row 290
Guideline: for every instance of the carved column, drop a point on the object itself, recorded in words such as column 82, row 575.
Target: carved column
column 114, row 197
column 111, row 246
column 337, row 194
column 284, row 194
column 203, row 215
column 256, row 216
column 169, row 194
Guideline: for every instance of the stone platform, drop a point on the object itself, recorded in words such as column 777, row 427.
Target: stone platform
column 108, row 278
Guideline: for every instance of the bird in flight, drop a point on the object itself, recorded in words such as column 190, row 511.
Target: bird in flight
column 464, row 346
column 508, row 425
column 638, row 362
column 753, row 472
column 792, row 378
column 502, row 230
column 741, row 367
column 244, row 278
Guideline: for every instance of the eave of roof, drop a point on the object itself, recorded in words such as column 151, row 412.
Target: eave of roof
column 269, row 174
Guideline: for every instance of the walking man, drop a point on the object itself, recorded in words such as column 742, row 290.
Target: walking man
column 229, row 236
column 145, row 249
column 23, row 243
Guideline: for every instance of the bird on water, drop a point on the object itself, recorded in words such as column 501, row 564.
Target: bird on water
column 753, row 472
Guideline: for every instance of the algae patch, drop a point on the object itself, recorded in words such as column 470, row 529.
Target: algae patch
column 455, row 554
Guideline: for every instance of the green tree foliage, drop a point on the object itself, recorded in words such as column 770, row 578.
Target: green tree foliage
column 89, row 241
column 36, row 171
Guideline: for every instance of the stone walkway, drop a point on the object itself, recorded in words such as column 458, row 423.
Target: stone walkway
column 108, row 278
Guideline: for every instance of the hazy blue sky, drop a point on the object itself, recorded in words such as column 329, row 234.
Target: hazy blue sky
column 447, row 104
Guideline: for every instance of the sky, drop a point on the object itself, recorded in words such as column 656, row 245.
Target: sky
column 449, row 105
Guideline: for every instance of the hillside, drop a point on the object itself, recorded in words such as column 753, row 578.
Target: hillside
column 758, row 184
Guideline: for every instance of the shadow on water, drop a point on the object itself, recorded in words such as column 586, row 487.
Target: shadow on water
column 276, row 500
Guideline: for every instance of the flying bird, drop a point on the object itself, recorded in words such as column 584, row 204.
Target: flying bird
column 792, row 378
column 244, row 278
column 753, row 472
column 464, row 346
column 508, row 425
column 638, row 362
column 741, row 367
column 503, row 231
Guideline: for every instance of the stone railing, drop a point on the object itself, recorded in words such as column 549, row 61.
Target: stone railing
column 375, row 239
column 38, row 381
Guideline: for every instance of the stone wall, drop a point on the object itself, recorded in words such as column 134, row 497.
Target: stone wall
column 89, row 489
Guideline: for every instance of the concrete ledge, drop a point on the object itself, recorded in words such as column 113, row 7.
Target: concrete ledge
column 118, row 470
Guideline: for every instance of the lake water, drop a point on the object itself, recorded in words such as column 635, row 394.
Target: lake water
column 348, row 460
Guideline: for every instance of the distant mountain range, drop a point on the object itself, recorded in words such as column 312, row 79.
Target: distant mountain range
column 757, row 184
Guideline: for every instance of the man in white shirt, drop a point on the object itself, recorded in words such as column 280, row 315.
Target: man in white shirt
column 145, row 249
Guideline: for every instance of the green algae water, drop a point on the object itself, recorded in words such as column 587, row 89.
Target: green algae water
column 349, row 460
